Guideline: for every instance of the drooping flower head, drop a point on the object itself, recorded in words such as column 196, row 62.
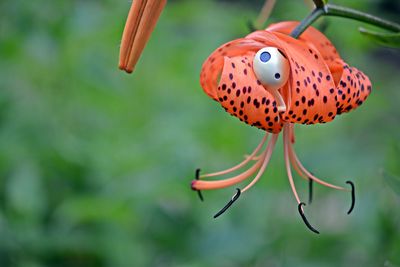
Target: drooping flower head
column 319, row 87
column 272, row 81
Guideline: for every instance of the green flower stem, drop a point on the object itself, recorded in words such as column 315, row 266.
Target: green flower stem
column 344, row 12
column 319, row 3
column 305, row 23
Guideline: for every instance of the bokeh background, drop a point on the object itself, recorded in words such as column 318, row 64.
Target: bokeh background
column 95, row 164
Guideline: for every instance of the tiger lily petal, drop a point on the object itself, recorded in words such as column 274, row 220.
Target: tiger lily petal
column 139, row 25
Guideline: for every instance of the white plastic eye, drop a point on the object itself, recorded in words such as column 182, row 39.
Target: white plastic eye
column 271, row 68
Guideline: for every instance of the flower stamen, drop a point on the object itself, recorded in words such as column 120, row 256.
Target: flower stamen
column 197, row 175
column 353, row 196
column 301, row 211
column 286, row 145
column 310, row 190
column 210, row 185
column 303, row 172
column 268, row 154
column 227, row 206
column 252, row 156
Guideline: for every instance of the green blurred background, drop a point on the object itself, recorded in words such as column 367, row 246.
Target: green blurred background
column 95, row 164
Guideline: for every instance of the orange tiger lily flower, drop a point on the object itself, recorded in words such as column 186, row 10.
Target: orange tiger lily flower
column 310, row 84
column 268, row 80
column 139, row 25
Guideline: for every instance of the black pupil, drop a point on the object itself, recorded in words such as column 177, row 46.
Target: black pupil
column 277, row 76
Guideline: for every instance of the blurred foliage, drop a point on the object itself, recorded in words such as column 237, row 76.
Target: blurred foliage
column 95, row 164
column 383, row 38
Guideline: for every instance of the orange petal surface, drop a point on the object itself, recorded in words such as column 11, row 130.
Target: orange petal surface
column 244, row 97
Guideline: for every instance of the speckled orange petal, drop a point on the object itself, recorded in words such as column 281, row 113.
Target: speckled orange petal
column 244, row 97
column 212, row 67
column 353, row 89
column 311, row 36
column 316, row 41
column 320, row 85
column 308, row 100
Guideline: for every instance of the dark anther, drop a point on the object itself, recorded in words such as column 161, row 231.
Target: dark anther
column 305, row 219
column 197, row 177
column 233, row 199
column 353, row 196
column 250, row 26
column 310, row 190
